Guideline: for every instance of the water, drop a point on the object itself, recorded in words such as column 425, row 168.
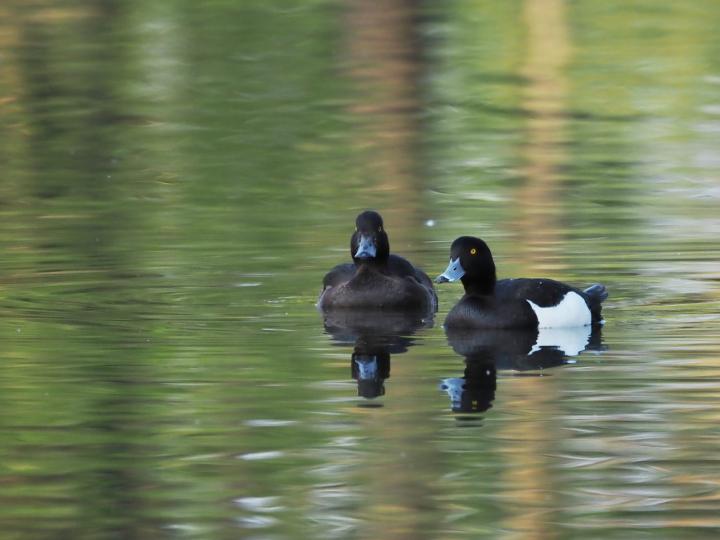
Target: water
column 177, row 178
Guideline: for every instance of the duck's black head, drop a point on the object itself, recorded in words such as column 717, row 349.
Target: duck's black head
column 472, row 263
column 369, row 243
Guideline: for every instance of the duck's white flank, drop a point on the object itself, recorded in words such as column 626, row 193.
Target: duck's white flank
column 571, row 311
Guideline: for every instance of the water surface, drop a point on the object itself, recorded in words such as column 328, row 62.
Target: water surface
column 177, row 178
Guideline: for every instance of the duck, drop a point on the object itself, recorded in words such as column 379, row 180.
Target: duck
column 513, row 303
column 376, row 279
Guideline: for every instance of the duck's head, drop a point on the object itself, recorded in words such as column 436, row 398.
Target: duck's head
column 472, row 263
column 369, row 242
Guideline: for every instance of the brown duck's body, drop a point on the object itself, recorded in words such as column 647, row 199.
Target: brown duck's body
column 376, row 279
column 395, row 285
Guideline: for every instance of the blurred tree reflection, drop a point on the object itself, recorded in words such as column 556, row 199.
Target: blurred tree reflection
column 539, row 224
column 543, row 152
column 384, row 58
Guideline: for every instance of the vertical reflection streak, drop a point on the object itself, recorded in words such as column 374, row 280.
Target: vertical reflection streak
column 539, row 198
column 383, row 60
column 527, row 481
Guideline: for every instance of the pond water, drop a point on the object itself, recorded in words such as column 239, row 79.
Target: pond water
column 178, row 176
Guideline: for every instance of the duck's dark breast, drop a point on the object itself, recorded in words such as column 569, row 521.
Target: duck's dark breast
column 488, row 312
column 372, row 289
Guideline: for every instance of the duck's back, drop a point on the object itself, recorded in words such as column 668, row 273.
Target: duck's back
column 401, row 267
column 508, row 306
column 554, row 299
column 526, row 303
column 543, row 292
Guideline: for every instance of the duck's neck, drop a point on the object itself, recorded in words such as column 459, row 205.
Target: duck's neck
column 373, row 264
column 479, row 286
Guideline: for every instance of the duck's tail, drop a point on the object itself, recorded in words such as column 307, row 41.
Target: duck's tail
column 596, row 295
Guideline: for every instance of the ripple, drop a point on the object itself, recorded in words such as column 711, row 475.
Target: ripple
column 260, row 456
column 257, row 522
column 267, row 422
column 259, row 504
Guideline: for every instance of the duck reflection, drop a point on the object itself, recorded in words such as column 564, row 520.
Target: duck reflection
column 487, row 351
column 375, row 336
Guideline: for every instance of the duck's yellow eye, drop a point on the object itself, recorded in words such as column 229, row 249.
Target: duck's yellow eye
column 473, row 251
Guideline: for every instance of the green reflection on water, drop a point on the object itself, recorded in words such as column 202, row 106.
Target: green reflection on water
column 177, row 177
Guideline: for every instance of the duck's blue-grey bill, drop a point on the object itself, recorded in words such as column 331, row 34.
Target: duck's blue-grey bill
column 366, row 248
column 453, row 272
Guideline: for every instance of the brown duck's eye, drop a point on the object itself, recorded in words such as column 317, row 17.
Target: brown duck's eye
column 473, row 251
column 380, row 228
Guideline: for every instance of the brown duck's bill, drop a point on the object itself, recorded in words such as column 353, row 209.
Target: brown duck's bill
column 366, row 248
